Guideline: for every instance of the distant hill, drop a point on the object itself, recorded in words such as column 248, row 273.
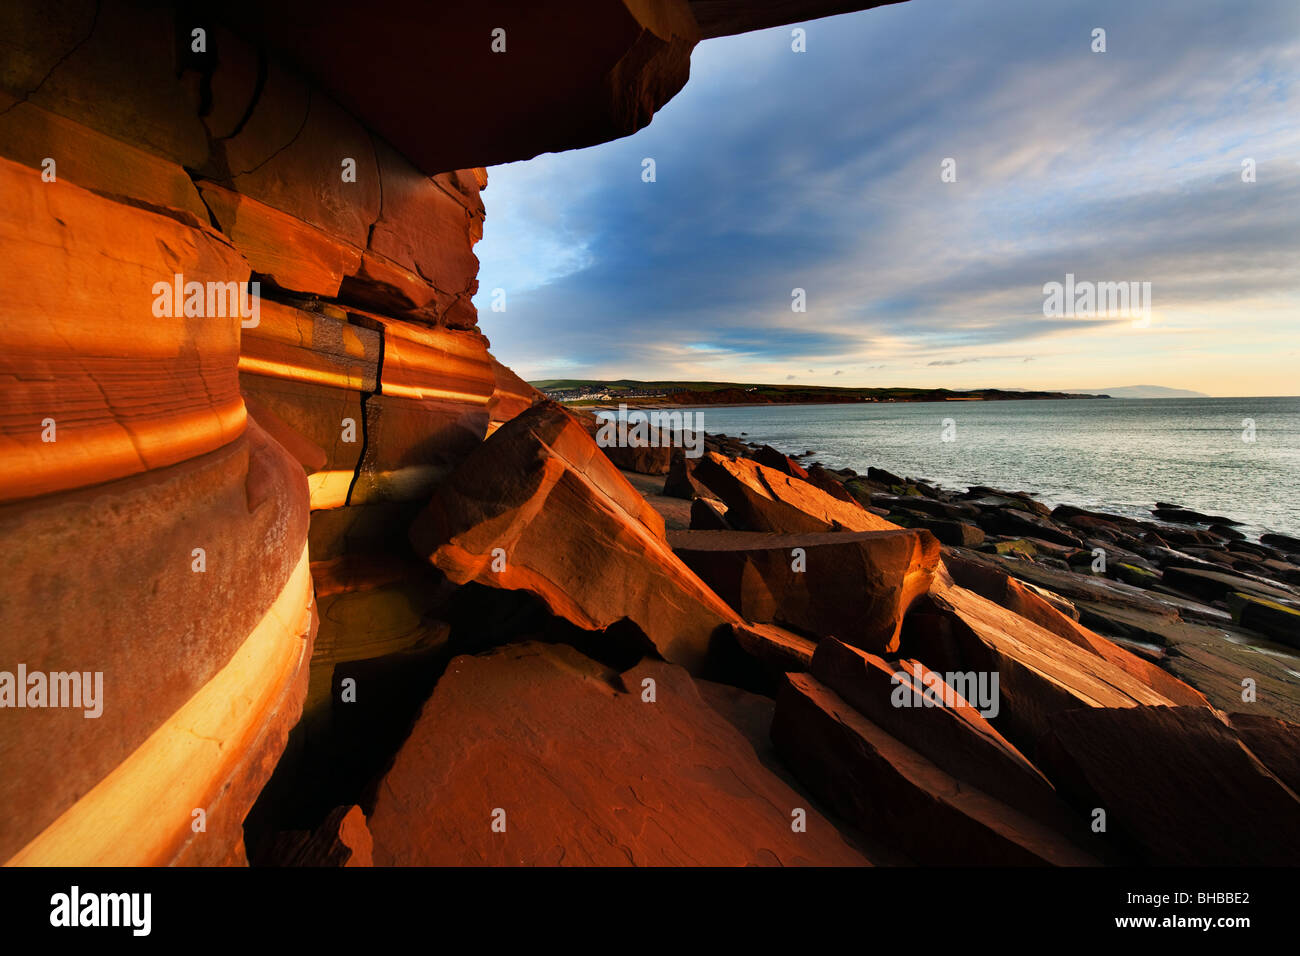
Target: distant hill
column 736, row 393
column 1143, row 391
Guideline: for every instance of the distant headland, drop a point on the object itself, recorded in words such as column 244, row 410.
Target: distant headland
column 596, row 391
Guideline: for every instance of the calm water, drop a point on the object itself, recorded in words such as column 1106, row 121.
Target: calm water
column 1120, row 455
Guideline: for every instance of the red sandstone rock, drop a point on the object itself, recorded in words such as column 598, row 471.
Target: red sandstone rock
column 571, row 529
column 428, row 225
column 343, row 839
column 289, row 155
column 306, row 452
column 916, row 706
column 894, row 793
column 310, row 369
column 853, row 586
column 1177, row 783
column 108, row 66
column 774, row 646
column 1001, row 588
column 80, row 347
column 288, row 251
column 824, row 480
column 719, row 18
column 681, row 482
column 1274, row 741
column 159, row 630
column 634, row 57
column 432, row 409
column 763, row 499
column 1039, row 673
column 92, row 160
column 647, row 451
column 372, row 604
column 578, row 768
column 511, row 394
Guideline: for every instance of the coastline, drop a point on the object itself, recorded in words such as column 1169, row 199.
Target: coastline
column 1184, row 590
column 1119, row 456
column 647, row 405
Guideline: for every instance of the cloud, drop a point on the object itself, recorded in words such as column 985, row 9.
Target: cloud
column 821, row 171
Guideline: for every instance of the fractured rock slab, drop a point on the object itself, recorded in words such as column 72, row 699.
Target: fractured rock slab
column 576, row 766
column 891, row 791
column 538, row 507
column 759, row 498
column 855, row 586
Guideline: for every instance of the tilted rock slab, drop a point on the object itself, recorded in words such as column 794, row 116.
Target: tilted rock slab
column 999, row 587
column 1176, row 782
column 1039, row 673
column 576, row 765
column 855, row 586
column 915, row 705
column 538, row 507
column 896, row 794
column 759, row 498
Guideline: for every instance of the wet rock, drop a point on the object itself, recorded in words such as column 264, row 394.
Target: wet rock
column 952, row 511
column 1278, row 621
column 769, row 456
column 1283, row 542
column 1217, row 585
column 1168, row 512
column 957, row 533
column 1015, row 523
column 1054, row 613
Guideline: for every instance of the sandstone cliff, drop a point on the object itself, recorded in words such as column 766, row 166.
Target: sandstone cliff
column 351, row 586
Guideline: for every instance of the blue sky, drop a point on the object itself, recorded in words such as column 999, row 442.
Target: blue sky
column 820, row 170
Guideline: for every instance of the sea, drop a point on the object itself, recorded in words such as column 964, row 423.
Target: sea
column 1236, row 457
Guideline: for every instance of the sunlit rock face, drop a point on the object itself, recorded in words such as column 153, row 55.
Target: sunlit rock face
column 538, row 507
column 183, row 230
column 598, row 776
column 237, row 289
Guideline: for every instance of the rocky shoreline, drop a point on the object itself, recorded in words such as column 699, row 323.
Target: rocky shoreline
column 1185, row 590
column 359, row 595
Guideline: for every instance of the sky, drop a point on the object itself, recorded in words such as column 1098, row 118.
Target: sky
column 823, row 170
